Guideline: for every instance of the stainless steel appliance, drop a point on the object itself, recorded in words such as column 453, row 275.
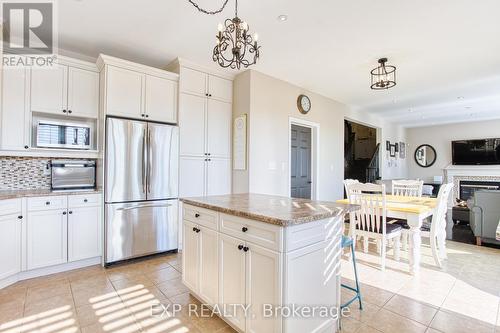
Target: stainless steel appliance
column 141, row 188
column 72, row 174
column 59, row 134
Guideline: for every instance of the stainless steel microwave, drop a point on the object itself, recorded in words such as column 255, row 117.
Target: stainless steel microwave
column 57, row 134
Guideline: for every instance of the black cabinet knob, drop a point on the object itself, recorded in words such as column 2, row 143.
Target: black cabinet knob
column 197, row 230
column 244, row 229
column 64, row 213
column 47, row 203
column 209, row 95
column 194, row 229
column 69, row 111
column 208, row 154
column 147, row 116
column 64, row 111
column 240, row 247
column 26, row 147
column 246, row 249
column 209, row 159
column 70, row 212
column 85, row 200
column 196, row 215
column 20, row 217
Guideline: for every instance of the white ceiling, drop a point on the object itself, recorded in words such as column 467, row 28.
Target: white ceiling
column 443, row 49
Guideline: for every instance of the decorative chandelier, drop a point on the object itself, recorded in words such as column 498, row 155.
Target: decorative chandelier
column 235, row 45
column 384, row 76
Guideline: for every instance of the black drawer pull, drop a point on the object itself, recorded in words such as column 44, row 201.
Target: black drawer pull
column 240, row 247
column 246, row 249
column 196, row 215
column 244, row 229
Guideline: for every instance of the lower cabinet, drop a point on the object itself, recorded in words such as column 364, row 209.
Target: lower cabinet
column 46, row 238
column 10, row 244
column 84, row 233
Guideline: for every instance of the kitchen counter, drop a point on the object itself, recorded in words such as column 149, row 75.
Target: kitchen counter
column 282, row 211
column 12, row 194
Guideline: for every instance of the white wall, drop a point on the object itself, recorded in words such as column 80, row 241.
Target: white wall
column 272, row 102
column 440, row 138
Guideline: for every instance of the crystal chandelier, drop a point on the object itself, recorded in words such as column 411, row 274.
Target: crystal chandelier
column 384, row 76
column 235, row 45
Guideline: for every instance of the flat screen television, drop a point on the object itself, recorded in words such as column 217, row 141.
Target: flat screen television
column 476, row 152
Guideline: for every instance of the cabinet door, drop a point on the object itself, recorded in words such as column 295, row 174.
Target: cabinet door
column 219, row 119
column 83, row 92
column 190, row 256
column 192, row 125
column 124, row 92
column 49, row 89
column 46, row 238
column 14, row 125
column 193, row 82
column 161, row 99
column 218, row 176
column 84, row 233
column 209, row 265
column 219, row 88
column 10, row 245
column 232, row 278
column 263, row 286
column 192, row 176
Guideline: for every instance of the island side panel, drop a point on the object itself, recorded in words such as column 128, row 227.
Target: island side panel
column 312, row 274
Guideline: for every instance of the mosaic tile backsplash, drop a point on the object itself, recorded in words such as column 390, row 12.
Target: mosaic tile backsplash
column 23, row 173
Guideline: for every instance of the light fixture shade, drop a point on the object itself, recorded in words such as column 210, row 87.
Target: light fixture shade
column 383, row 76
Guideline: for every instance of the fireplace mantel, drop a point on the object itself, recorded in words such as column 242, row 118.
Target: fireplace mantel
column 456, row 173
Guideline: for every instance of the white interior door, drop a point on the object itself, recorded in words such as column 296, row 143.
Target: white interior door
column 209, row 265
column 83, row 92
column 161, row 99
column 84, row 233
column 192, row 172
column 124, row 93
column 10, row 245
column 46, row 238
column 218, row 176
column 190, row 256
column 219, row 120
column 192, row 125
column 49, row 89
column 232, row 278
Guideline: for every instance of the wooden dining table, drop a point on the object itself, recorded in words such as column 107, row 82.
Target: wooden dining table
column 414, row 210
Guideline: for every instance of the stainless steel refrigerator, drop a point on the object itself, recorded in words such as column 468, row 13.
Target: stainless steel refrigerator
column 140, row 188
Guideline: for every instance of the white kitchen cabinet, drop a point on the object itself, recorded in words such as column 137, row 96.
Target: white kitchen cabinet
column 208, row 265
column 219, row 120
column 124, row 92
column 14, row 123
column 192, row 125
column 161, row 99
column 218, row 176
column 83, row 93
column 193, row 82
column 197, row 82
column 192, row 176
column 46, row 238
column 232, row 267
column 10, row 244
column 49, row 89
column 263, row 286
column 191, row 248
column 84, row 232
column 220, row 88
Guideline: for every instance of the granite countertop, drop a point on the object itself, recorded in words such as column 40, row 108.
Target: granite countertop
column 282, row 211
column 12, row 194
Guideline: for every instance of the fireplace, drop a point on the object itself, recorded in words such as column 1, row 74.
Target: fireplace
column 467, row 188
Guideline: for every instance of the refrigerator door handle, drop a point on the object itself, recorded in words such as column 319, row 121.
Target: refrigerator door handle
column 144, row 166
column 143, row 206
column 150, row 153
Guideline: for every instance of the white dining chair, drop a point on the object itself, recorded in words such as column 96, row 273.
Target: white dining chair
column 407, row 188
column 437, row 232
column 348, row 182
column 370, row 221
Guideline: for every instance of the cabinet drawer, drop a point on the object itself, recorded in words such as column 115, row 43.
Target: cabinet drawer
column 47, row 203
column 84, row 200
column 10, row 206
column 204, row 217
column 267, row 235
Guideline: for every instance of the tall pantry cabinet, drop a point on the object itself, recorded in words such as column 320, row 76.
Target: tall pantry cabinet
column 205, row 118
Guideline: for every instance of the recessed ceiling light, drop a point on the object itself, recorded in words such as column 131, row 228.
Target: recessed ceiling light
column 282, row 18
column 468, row 107
column 460, row 97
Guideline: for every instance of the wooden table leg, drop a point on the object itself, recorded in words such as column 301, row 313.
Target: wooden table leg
column 414, row 242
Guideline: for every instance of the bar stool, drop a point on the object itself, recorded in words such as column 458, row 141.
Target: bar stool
column 348, row 242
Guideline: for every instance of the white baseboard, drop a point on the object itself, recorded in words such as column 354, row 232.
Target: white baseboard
column 49, row 270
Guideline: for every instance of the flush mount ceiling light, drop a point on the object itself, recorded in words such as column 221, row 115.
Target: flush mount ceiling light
column 282, row 18
column 383, row 76
column 235, row 46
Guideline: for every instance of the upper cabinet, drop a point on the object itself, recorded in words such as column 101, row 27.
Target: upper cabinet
column 203, row 84
column 136, row 91
column 68, row 88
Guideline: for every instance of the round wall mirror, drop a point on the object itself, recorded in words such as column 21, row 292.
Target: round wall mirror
column 425, row 155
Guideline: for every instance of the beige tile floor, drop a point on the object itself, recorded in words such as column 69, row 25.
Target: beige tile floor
column 463, row 296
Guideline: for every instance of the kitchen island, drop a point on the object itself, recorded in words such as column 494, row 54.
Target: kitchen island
column 265, row 263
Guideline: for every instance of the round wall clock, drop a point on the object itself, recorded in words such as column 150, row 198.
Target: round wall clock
column 303, row 104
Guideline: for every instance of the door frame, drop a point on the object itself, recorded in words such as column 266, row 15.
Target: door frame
column 314, row 154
